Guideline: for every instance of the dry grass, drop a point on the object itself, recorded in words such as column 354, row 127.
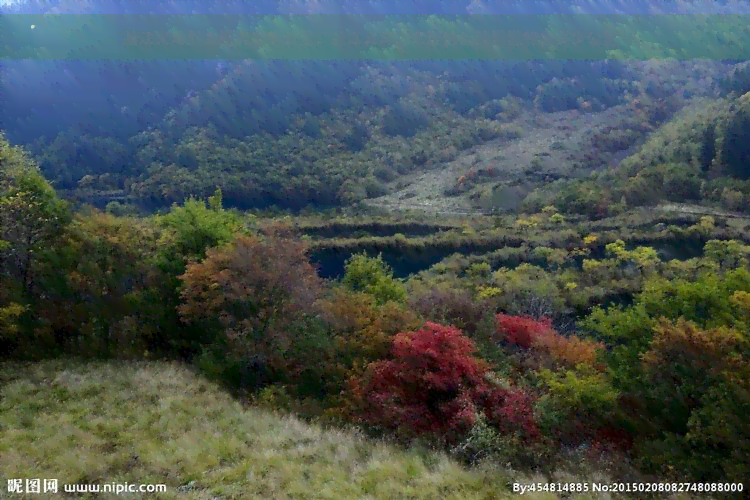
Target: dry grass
column 160, row 423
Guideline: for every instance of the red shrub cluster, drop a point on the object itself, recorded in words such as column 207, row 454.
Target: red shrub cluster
column 508, row 410
column 522, row 330
column 433, row 384
column 527, row 333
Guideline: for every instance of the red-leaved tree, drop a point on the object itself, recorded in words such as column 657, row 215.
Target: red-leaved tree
column 434, row 385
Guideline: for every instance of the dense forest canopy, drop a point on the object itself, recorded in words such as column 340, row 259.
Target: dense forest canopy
column 298, row 133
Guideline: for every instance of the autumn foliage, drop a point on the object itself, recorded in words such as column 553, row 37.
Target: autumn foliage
column 363, row 330
column 257, row 288
column 539, row 335
column 434, row 385
column 522, row 330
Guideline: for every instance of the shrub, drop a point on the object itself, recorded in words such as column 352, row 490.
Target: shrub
column 522, row 331
column 578, row 404
column 450, row 306
column 571, row 350
column 510, row 411
column 539, row 336
column 94, row 285
column 256, row 297
column 361, row 330
column 431, row 386
column 373, row 276
column 691, row 374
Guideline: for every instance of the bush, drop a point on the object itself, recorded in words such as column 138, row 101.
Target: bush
column 373, row 276
column 257, row 298
column 578, row 404
column 94, row 285
column 432, row 386
column 691, row 374
column 362, row 332
column 450, row 306
column 522, row 331
column 538, row 336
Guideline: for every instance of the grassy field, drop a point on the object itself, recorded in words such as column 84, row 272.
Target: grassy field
column 152, row 423
column 160, row 423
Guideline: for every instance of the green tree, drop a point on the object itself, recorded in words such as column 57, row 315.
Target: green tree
column 373, row 276
column 187, row 233
column 95, row 280
column 31, row 215
column 32, row 218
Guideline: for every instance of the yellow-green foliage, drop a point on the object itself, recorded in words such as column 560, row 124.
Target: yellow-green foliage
column 741, row 299
column 705, row 226
column 590, row 239
column 557, row 218
column 526, row 281
column 554, row 257
column 642, row 256
column 8, row 320
column 488, row 292
column 729, row 254
column 591, row 265
column 583, row 389
column 373, row 276
column 529, row 222
column 575, row 398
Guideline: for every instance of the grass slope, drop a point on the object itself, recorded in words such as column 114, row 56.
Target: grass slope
column 152, row 422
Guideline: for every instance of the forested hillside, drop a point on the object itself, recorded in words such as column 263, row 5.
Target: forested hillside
column 343, row 134
column 455, row 275
column 615, row 347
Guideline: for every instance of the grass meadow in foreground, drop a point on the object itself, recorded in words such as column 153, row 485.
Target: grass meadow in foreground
column 155, row 422
column 160, row 423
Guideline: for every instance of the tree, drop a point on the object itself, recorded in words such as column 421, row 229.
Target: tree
column 733, row 153
column 32, row 218
column 187, row 232
column 694, row 382
column 373, row 276
column 250, row 297
column 95, row 280
column 362, row 332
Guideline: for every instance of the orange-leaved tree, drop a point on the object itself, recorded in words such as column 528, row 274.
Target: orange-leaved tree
column 257, row 292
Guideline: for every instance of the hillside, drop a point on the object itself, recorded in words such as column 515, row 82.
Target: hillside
column 452, row 137
column 159, row 423
column 500, row 173
column 560, row 339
